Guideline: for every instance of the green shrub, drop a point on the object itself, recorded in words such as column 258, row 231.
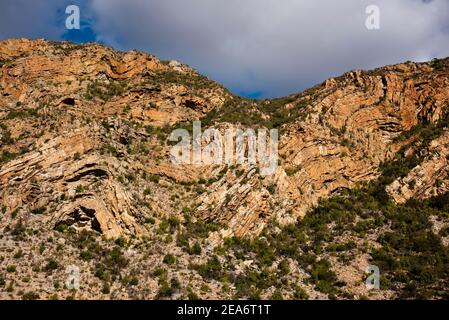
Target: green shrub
column 11, row 268
column 250, row 283
column 154, row 178
column 106, row 288
column 39, row 211
column 277, row 295
column 134, row 281
column 61, row 227
column 150, row 220
column 272, row 188
column 192, row 296
column 6, row 156
column 5, row 134
column 283, row 268
column 169, row 259
column 51, row 265
column 212, row 269
column 30, row 296
column 164, row 290
column 104, row 90
column 163, row 226
column 86, row 255
column 300, row 294
column 18, row 254
column 291, row 171
column 115, row 260
column 121, row 242
column 196, row 248
column 23, row 113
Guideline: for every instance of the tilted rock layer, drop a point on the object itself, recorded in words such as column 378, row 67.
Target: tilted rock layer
column 84, row 129
column 85, row 158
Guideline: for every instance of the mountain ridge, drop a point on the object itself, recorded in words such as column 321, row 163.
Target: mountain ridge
column 84, row 152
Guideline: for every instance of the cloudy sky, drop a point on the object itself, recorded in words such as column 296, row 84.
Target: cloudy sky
column 256, row 48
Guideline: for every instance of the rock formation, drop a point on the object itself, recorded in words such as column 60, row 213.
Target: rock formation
column 83, row 141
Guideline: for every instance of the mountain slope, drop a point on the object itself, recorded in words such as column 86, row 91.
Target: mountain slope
column 84, row 152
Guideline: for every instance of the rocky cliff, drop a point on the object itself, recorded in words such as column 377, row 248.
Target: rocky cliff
column 83, row 142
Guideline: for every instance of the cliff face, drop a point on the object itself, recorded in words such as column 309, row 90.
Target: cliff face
column 78, row 121
column 84, row 127
column 83, row 147
column 352, row 126
column 347, row 127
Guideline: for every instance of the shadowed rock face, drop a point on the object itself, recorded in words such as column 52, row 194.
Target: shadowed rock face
column 83, row 138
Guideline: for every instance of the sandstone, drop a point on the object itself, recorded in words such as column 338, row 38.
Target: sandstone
column 94, row 139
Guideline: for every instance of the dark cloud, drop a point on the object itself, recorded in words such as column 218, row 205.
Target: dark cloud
column 29, row 19
column 271, row 47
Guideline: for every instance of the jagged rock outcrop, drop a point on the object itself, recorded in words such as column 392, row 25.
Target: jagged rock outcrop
column 352, row 126
column 348, row 129
column 428, row 179
column 84, row 133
